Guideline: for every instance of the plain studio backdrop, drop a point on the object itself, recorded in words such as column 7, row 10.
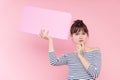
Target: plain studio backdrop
column 24, row 56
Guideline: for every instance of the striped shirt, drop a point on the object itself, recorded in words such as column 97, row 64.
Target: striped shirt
column 76, row 70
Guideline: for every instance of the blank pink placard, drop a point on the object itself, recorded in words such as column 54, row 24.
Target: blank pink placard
column 56, row 22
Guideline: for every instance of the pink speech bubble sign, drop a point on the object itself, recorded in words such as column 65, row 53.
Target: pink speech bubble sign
column 56, row 22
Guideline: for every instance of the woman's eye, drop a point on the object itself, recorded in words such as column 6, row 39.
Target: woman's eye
column 83, row 33
column 76, row 34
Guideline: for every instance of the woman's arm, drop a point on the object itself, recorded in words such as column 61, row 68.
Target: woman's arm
column 62, row 60
column 83, row 60
column 93, row 64
column 52, row 57
column 51, row 48
column 44, row 35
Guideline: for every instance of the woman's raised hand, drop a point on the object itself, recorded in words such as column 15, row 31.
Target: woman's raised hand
column 43, row 34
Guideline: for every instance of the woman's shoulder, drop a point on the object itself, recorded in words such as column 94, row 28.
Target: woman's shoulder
column 93, row 49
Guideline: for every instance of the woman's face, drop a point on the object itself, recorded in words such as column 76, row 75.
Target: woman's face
column 79, row 37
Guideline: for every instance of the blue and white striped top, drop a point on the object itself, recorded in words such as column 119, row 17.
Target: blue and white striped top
column 76, row 70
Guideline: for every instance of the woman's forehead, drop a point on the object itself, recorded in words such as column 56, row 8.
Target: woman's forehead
column 80, row 31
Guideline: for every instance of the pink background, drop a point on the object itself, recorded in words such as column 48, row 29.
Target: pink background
column 24, row 56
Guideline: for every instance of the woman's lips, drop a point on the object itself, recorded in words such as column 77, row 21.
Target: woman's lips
column 80, row 40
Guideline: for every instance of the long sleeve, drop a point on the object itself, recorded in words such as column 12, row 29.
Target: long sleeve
column 57, row 61
column 95, row 64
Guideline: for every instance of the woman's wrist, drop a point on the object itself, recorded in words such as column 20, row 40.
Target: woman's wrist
column 81, row 53
column 50, row 39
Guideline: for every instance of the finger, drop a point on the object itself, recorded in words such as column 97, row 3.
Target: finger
column 41, row 36
column 82, row 44
column 41, row 33
column 43, row 30
column 47, row 32
column 79, row 46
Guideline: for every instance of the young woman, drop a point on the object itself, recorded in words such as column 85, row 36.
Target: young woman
column 85, row 62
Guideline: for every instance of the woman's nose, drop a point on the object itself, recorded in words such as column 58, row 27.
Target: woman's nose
column 80, row 36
